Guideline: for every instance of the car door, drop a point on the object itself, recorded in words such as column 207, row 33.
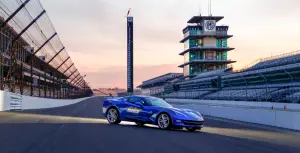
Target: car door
column 146, row 112
column 123, row 107
column 132, row 109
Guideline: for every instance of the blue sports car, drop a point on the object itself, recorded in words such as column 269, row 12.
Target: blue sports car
column 151, row 110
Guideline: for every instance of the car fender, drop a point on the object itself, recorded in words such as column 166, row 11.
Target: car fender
column 111, row 106
column 166, row 112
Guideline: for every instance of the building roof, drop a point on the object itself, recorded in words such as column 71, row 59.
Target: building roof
column 206, row 48
column 200, row 27
column 207, row 61
column 198, row 19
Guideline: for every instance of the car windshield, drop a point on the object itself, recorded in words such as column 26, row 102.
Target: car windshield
column 152, row 101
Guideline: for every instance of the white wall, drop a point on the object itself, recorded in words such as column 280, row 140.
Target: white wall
column 3, row 104
column 28, row 102
column 253, row 112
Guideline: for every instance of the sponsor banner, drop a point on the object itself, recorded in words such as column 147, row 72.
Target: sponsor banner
column 15, row 101
column 35, row 82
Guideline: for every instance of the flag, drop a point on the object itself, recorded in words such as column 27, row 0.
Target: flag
column 128, row 12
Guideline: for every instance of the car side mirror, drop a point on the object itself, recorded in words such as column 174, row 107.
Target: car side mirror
column 139, row 104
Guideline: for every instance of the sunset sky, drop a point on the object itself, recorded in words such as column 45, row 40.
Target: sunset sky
column 94, row 33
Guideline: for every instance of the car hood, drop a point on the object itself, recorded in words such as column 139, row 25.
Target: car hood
column 187, row 114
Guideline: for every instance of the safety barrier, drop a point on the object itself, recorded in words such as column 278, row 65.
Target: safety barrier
column 272, row 114
column 12, row 101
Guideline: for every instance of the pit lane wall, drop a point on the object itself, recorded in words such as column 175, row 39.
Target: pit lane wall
column 266, row 113
column 12, row 101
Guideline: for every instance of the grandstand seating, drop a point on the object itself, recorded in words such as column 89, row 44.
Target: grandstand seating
column 271, row 79
column 211, row 73
column 186, row 95
column 242, row 94
column 294, row 98
column 161, row 80
column 296, row 94
column 276, row 93
column 285, row 60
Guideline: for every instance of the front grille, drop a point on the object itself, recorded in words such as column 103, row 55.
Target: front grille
column 193, row 122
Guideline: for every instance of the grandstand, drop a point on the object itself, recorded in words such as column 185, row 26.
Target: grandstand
column 275, row 79
column 207, row 74
column 33, row 60
column 156, row 86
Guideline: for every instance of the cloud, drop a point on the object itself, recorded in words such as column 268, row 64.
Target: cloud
column 116, row 76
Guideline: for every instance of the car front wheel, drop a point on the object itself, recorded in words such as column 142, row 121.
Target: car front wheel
column 164, row 121
column 113, row 116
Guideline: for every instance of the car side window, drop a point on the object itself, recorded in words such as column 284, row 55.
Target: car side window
column 134, row 100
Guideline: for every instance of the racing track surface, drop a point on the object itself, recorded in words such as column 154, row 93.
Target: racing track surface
column 80, row 128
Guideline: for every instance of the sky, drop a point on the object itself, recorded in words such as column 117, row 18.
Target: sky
column 94, row 33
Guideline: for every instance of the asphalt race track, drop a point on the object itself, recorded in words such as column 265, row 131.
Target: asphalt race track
column 81, row 128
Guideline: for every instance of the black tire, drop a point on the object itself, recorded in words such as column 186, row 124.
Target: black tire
column 164, row 127
column 116, row 121
column 192, row 129
column 139, row 123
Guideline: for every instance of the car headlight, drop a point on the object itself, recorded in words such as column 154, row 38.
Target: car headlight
column 201, row 118
column 197, row 113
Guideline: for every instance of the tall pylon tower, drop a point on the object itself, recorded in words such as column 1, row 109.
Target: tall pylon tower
column 129, row 53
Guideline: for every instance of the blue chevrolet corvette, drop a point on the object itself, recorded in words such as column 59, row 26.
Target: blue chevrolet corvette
column 151, row 110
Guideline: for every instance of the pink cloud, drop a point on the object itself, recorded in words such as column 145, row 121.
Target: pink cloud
column 115, row 76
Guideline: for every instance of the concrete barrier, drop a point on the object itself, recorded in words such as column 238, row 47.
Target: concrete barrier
column 253, row 112
column 12, row 101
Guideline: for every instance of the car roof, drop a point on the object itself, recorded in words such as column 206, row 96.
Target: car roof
column 141, row 96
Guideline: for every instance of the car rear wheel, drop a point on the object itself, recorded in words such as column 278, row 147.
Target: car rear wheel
column 113, row 116
column 164, row 121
